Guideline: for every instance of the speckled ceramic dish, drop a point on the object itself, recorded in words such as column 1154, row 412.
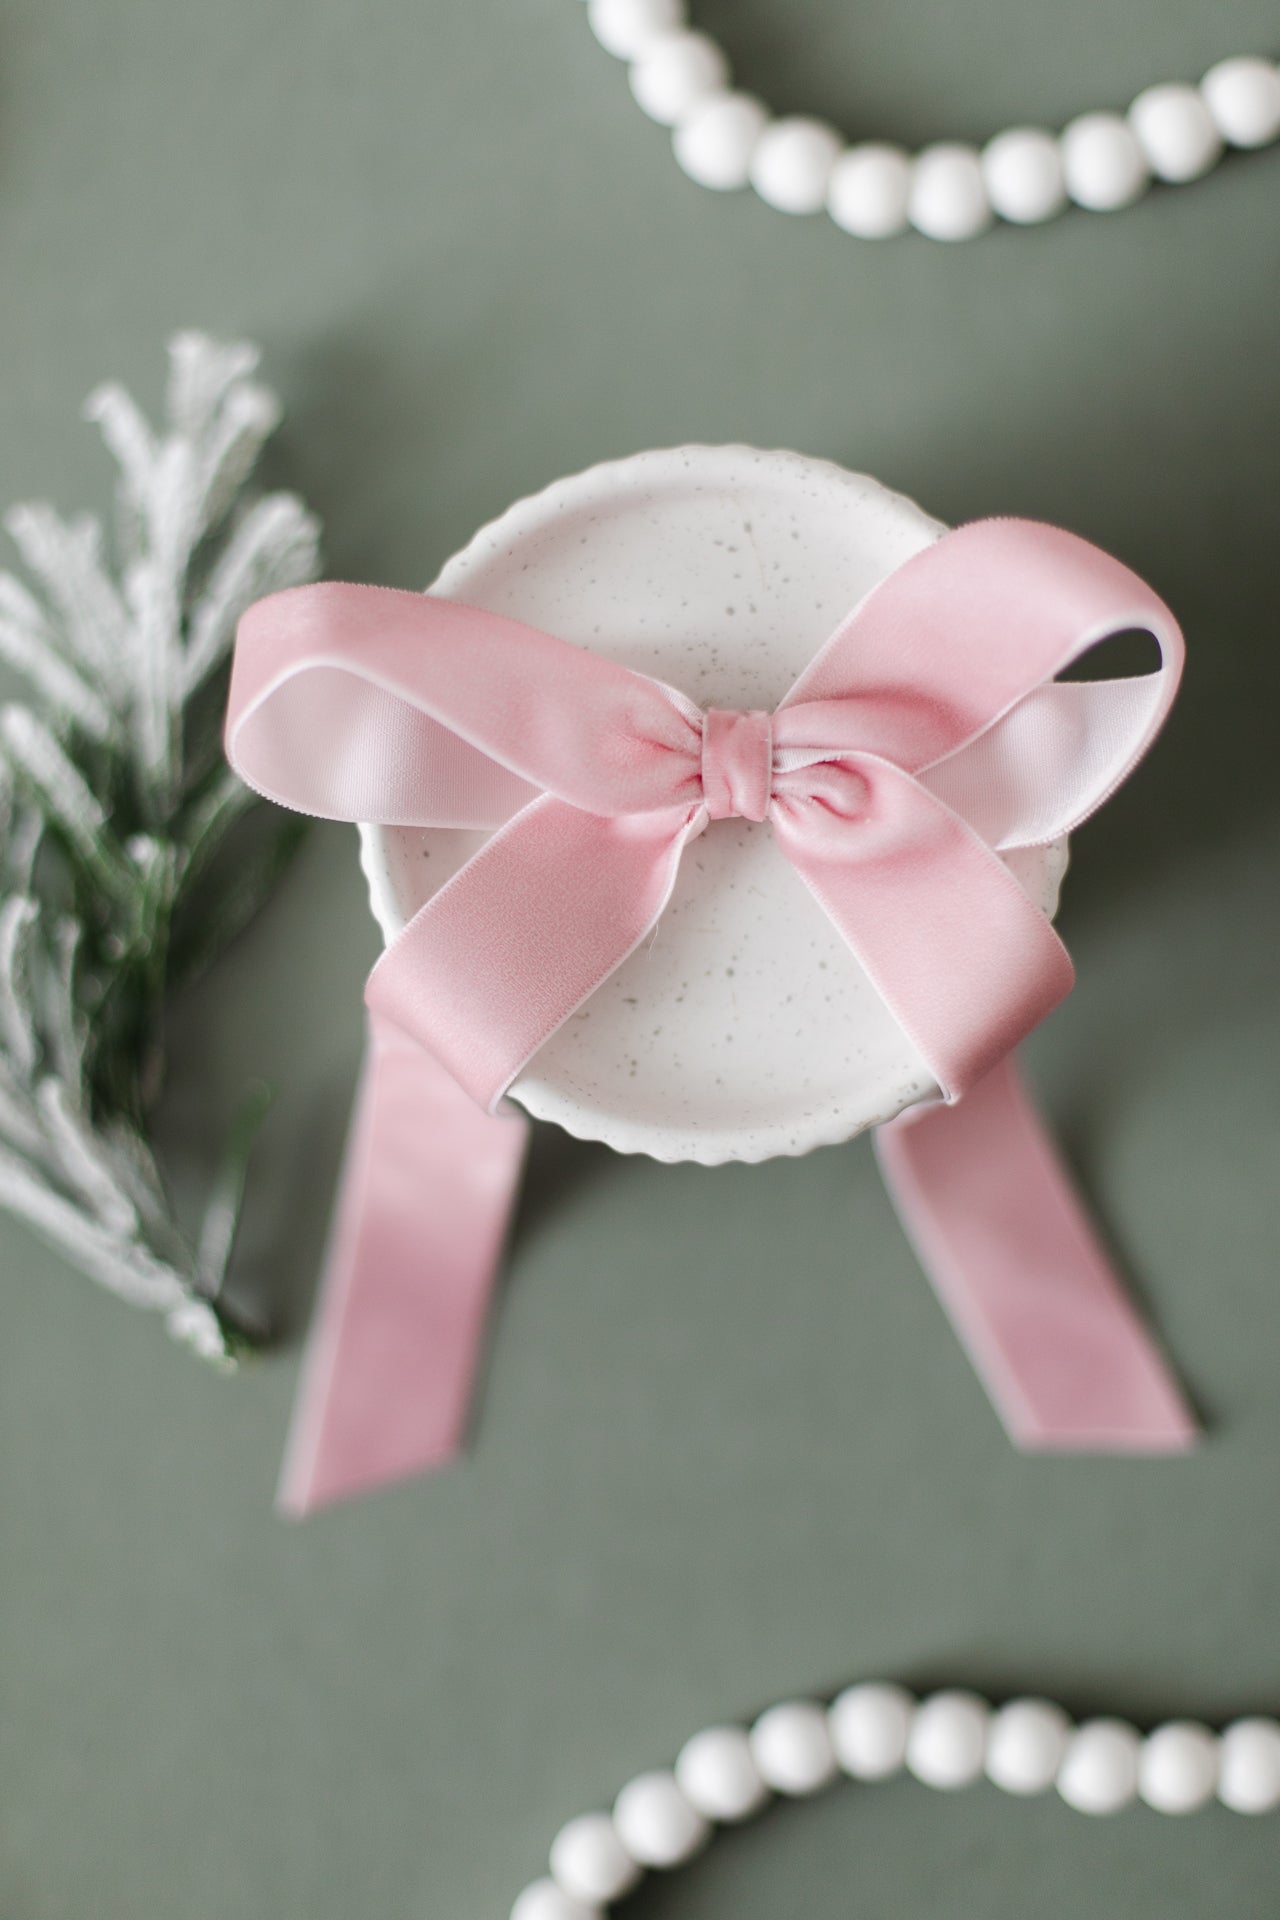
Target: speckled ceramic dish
column 744, row 1028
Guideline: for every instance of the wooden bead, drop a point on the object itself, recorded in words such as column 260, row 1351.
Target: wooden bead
column 675, row 72
column 948, row 1740
column 791, row 1745
column 1249, row 1766
column 870, row 1725
column 1099, row 1772
column 1102, row 163
column 869, row 189
column 544, row 1900
column 1175, row 130
column 717, row 137
column 719, row 1776
column 656, row 1822
column 1243, row 98
column 626, row 27
column 948, row 197
column 590, row 1863
column 1178, row 1767
column 1027, row 1741
column 793, row 163
column 1022, row 170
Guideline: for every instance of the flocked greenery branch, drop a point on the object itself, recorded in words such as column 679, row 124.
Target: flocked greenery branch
column 127, row 860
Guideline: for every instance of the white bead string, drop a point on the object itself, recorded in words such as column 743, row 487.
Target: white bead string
column 870, row 1733
column 1103, row 161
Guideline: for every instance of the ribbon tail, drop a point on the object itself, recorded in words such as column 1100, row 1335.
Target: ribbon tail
column 521, row 936
column 962, row 958
column 427, row 1192
column 990, row 1210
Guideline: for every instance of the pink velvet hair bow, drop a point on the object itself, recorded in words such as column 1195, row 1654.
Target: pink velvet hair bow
column 927, row 738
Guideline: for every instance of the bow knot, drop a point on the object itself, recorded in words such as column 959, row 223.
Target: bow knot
column 737, row 763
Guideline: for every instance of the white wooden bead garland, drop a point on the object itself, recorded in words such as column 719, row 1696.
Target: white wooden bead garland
column 949, row 191
column 873, row 1731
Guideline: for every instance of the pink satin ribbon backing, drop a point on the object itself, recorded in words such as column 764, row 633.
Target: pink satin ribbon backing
column 927, row 737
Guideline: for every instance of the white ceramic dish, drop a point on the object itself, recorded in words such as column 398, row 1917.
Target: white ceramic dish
column 744, row 1028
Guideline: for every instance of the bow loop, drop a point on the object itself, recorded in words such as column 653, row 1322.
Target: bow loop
column 366, row 703
column 822, row 794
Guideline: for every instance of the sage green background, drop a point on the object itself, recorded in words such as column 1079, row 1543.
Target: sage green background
column 730, row 1449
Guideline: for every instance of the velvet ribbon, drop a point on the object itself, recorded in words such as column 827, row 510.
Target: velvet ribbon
column 927, row 738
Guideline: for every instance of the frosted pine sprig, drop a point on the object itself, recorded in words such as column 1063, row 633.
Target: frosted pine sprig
column 127, row 855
